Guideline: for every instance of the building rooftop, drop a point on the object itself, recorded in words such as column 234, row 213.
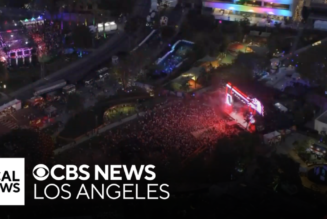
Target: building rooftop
column 323, row 117
column 14, row 36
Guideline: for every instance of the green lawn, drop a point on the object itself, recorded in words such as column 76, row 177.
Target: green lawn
column 228, row 59
column 119, row 113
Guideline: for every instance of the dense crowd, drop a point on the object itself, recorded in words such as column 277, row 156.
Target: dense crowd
column 181, row 126
column 7, row 112
column 47, row 37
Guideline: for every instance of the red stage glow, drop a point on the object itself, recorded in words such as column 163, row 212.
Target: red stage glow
column 229, row 99
column 8, row 31
column 253, row 103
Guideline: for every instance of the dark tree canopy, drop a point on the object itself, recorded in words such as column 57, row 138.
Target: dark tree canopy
column 290, row 170
column 82, row 37
column 14, row 3
column 134, row 24
column 3, row 72
column 305, row 13
column 200, row 22
column 167, row 32
column 117, row 7
column 311, row 65
column 36, row 147
column 252, row 61
column 123, row 71
column 233, row 73
column 75, row 102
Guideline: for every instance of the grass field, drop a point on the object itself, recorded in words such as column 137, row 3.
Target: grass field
column 119, row 112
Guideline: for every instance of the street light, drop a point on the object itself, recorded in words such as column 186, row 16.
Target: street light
column 4, row 86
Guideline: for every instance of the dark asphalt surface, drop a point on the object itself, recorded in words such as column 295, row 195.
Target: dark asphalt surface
column 76, row 71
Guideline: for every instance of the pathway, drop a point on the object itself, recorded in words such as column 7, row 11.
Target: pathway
column 103, row 129
column 77, row 69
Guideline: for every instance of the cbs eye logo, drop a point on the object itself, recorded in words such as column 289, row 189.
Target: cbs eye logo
column 41, row 172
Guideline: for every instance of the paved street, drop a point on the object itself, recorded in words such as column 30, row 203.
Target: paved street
column 77, row 70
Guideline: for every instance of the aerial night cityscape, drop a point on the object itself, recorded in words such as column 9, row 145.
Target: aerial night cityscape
column 163, row 108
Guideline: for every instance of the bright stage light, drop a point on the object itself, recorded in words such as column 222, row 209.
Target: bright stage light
column 253, row 103
column 229, row 99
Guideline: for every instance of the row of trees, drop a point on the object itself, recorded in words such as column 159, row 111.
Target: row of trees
column 311, row 65
column 210, row 36
column 243, row 70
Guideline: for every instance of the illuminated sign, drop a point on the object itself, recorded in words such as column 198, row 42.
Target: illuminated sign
column 252, row 102
column 245, row 8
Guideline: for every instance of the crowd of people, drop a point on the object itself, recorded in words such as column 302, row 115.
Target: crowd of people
column 47, row 36
column 182, row 126
column 7, row 112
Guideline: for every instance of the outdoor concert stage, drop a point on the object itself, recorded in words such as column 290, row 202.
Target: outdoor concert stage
column 17, row 47
column 241, row 107
column 16, row 43
column 236, row 117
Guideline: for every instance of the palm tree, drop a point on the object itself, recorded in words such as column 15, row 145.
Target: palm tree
column 122, row 72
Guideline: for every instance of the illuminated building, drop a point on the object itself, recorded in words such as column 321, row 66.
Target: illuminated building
column 273, row 8
column 16, row 46
column 14, row 41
